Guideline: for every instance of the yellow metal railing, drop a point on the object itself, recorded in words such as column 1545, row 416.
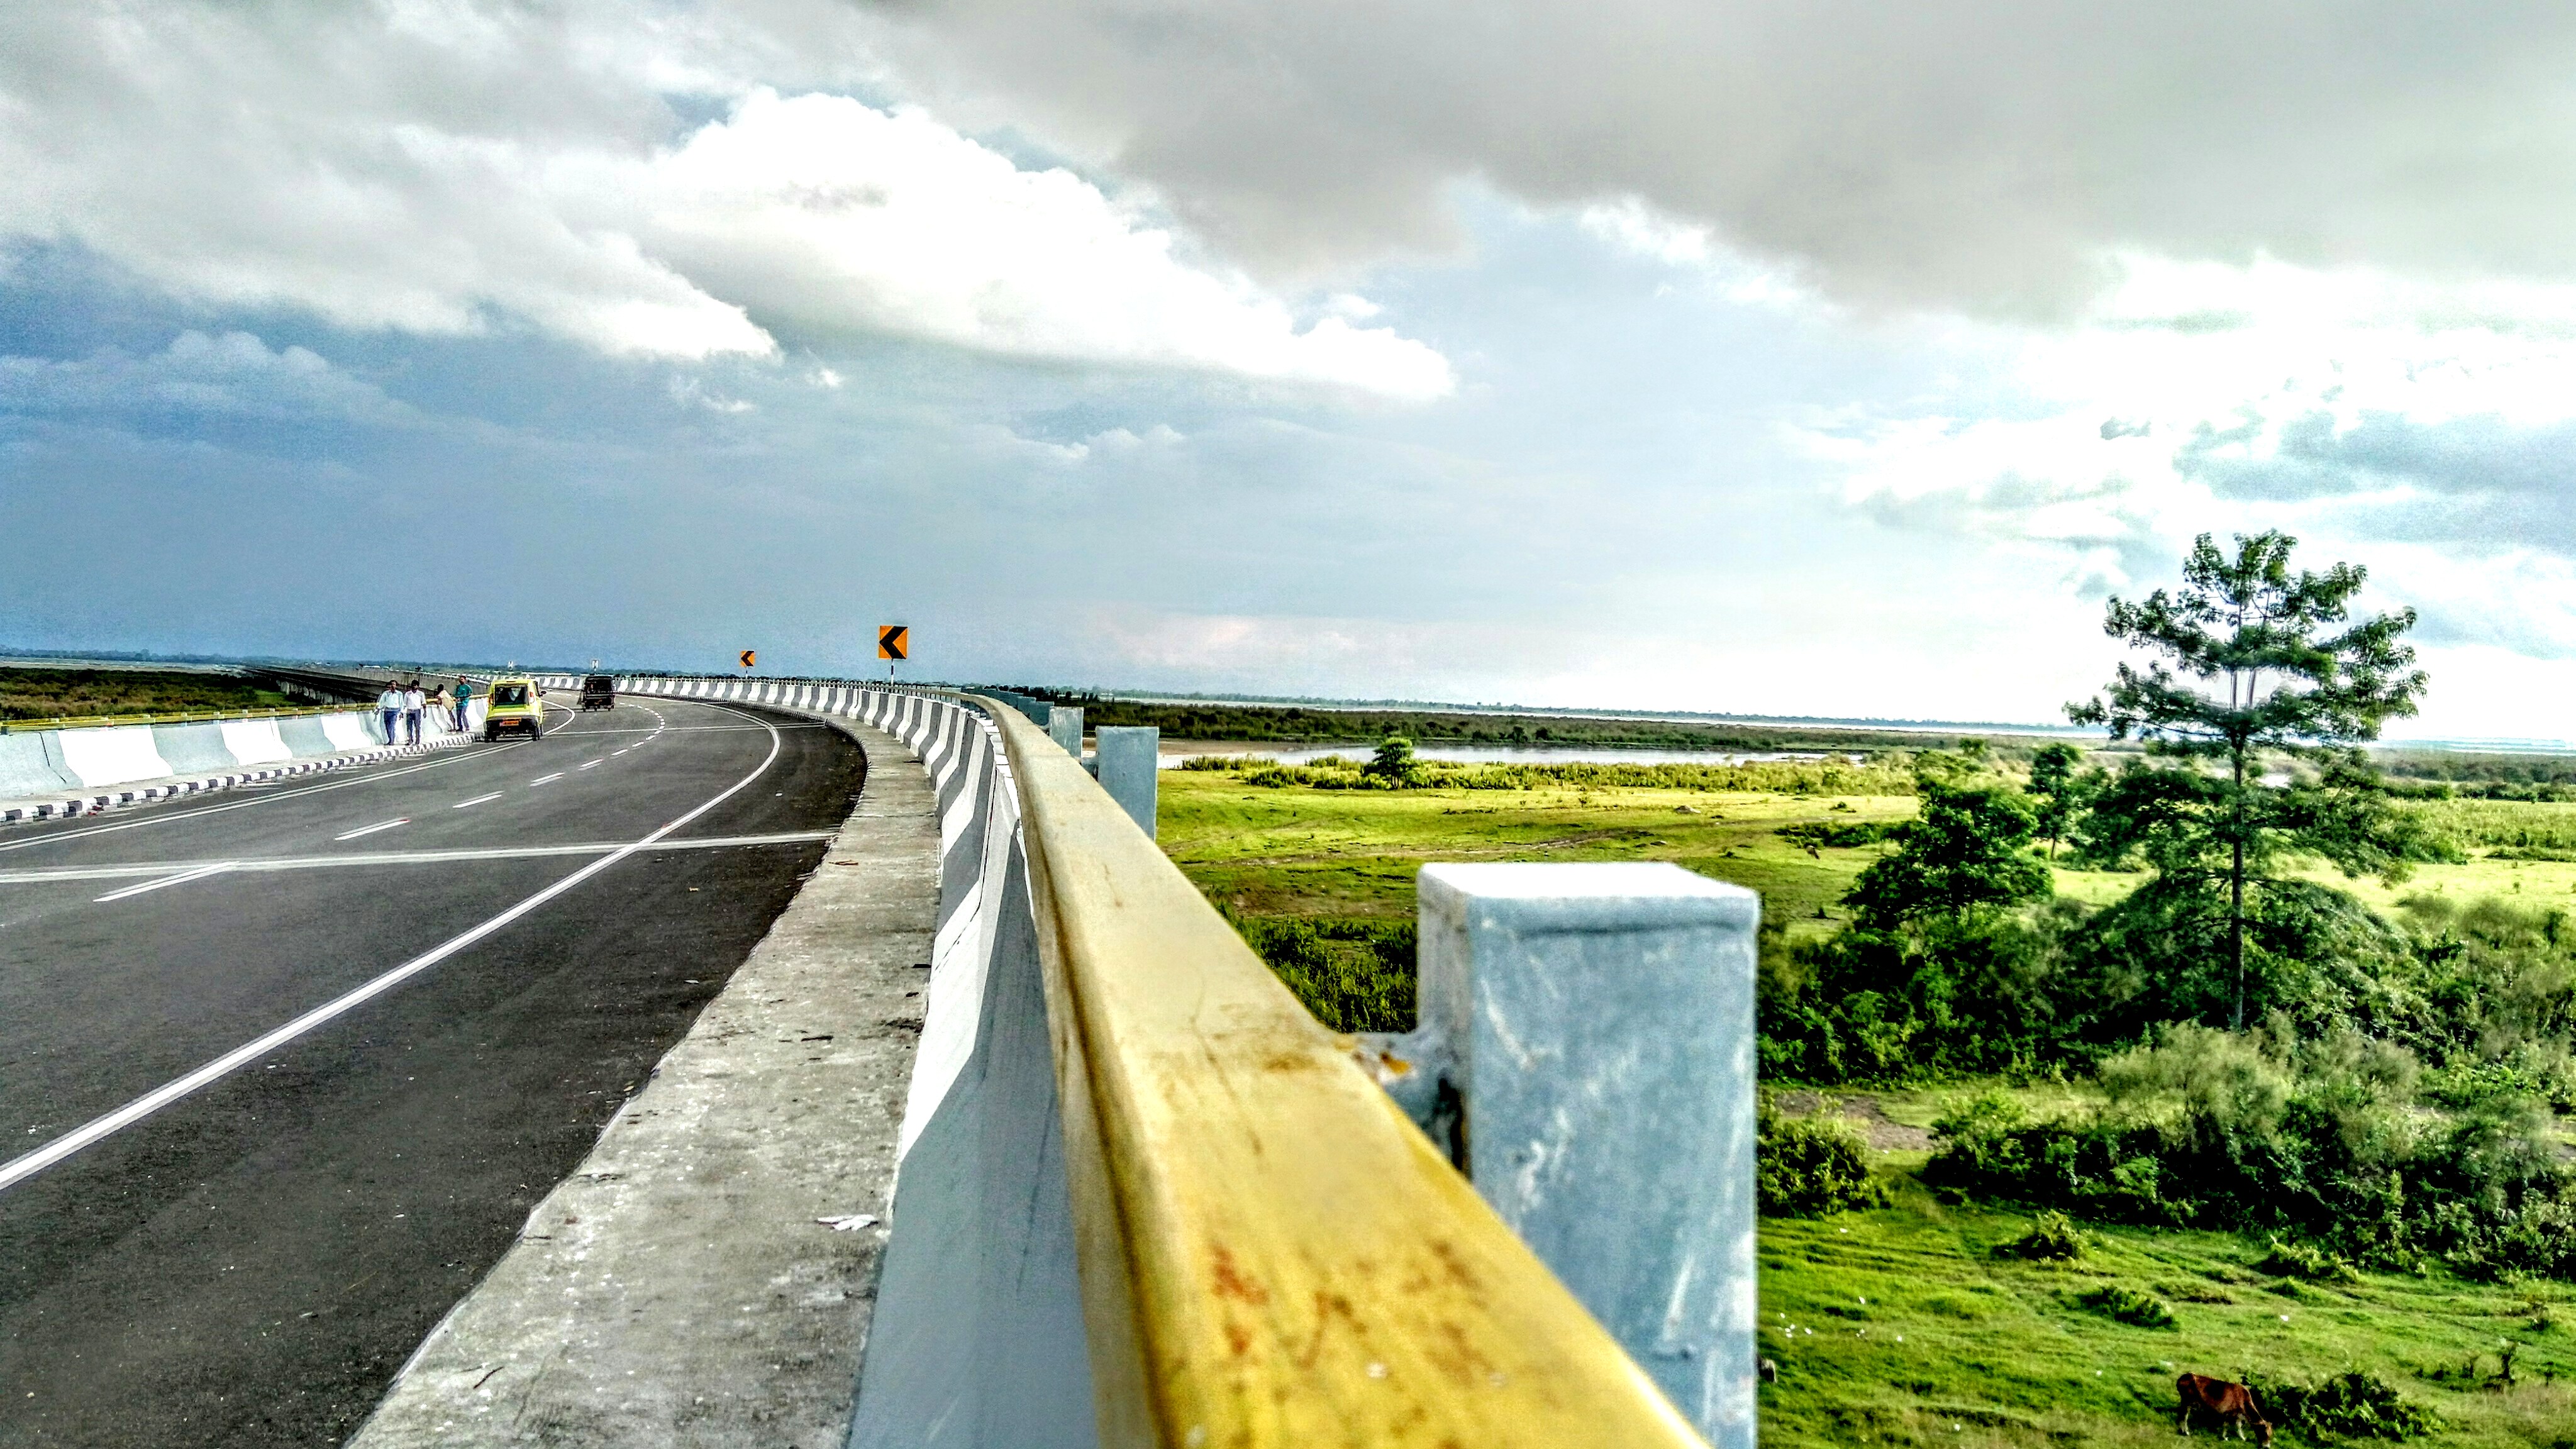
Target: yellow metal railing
column 1271, row 1254
column 184, row 716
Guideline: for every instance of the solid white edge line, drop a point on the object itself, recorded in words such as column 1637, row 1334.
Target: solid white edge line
column 19, row 1169
column 200, row 873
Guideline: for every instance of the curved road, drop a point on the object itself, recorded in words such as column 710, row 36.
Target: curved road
column 283, row 1070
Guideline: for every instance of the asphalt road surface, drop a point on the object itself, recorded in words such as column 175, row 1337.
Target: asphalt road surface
column 282, row 1071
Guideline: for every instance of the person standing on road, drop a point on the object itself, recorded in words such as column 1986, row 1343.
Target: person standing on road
column 464, row 692
column 437, row 707
column 413, row 703
column 391, row 703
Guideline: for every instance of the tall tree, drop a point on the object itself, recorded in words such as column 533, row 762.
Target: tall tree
column 2056, row 791
column 2256, row 660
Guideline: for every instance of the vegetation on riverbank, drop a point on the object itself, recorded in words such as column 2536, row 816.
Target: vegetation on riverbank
column 1304, row 724
column 31, row 694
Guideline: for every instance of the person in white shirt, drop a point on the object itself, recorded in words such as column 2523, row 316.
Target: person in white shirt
column 391, row 703
column 413, row 703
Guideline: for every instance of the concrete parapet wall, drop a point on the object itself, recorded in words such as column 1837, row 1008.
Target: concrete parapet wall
column 707, row 1276
column 117, row 755
column 184, row 748
column 50, row 773
column 30, row 765
column 977, row 1334
column 256, row 742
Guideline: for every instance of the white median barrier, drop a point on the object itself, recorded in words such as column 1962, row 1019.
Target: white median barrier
column 352, row 731
column 48, row 774
column 113, row 756
column 255, row 742
column 30, row 765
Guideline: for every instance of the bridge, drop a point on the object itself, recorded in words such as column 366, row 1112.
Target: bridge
column 827, row 1062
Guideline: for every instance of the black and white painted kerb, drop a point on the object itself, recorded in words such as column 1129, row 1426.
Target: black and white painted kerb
column 91, row 803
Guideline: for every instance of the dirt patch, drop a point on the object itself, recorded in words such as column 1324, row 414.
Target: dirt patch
column 1863, row 1112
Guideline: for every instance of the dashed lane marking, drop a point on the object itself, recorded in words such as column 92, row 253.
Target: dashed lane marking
column 477, row 800
column 19, row 1169
column 591, row 764
column 545, row 779
column 372, row 829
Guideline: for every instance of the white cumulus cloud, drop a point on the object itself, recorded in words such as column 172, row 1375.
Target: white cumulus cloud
column 627, row 178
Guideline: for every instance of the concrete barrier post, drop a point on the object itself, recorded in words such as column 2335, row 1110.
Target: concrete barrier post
column 1596, row 1023
column 1129, row 755
column 1064, row 726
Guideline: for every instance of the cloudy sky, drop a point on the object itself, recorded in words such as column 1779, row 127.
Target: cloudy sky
column 1831, row 358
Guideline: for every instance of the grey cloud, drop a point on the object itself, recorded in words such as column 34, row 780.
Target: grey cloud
column 1978, row 154
column 198, row 374
column 2478, row 459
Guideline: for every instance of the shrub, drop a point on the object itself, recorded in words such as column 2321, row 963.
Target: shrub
column 2356, row 1402
column 2320, row 1140
column 1353, row 974
column 2308, row 1261
column 1806, row 1167
column 1845, row 835
column 2053, row 1238
column 2128, row 1305
column 1393, row 762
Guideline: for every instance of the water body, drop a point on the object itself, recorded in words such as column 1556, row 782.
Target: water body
column 1175, row 751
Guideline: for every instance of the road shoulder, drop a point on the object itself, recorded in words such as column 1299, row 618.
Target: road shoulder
column 684, row 1286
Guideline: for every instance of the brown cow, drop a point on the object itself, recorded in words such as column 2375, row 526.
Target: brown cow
column 2226, row 1402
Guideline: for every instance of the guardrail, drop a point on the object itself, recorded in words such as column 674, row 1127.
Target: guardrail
column 1147, row 1200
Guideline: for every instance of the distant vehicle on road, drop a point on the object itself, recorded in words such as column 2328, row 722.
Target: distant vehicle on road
column 514, row 705
column 598, row 691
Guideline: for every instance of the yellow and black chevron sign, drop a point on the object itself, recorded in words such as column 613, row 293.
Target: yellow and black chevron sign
column 748, row 656
column 894, row 641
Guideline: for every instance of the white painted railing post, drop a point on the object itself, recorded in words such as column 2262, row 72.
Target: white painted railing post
column 1064, row 726
column 1125, row 760
column 1594, row 1025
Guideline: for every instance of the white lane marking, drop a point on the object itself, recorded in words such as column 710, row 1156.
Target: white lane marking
column 620, row 752
column 545, row 779
column 57, row 837
column 477, row 800
column 18, row 1169
column 591, row 764
column 44, row 874
column 704, row 729
column 200, row 873
column 372, row 829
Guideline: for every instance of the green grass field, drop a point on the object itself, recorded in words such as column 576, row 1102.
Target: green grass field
column 1900, row 1326
column 1952, row 1345
column 1353, row 853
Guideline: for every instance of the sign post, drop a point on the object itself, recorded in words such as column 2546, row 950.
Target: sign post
column 894, row 642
